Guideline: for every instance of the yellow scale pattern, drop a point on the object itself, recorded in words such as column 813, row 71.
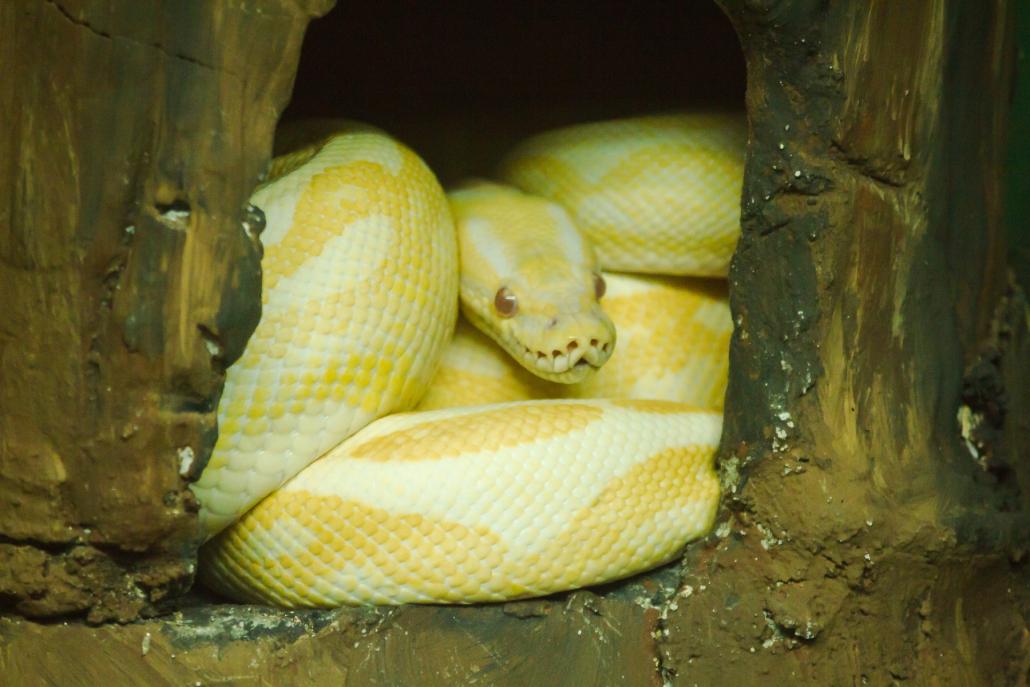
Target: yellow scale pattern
column 479, row 503
column 360, row 264
column 674, row 335
column 654, row 194
column 429, row 520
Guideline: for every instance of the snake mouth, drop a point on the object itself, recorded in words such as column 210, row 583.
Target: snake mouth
column 569, row 365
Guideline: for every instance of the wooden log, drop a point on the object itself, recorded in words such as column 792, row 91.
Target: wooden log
column 867, row 540
column 582, row 641
column 130, row 273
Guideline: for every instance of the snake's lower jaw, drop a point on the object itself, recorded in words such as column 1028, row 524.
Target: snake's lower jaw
column 578, row 373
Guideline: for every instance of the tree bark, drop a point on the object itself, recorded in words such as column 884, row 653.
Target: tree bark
column 877, row 407
column 130, row 271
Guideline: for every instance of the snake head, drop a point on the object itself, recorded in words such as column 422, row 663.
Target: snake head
column 553, row 326
column 531, row 283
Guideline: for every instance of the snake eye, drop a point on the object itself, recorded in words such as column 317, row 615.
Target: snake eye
column 505, row 302
column 599, row 286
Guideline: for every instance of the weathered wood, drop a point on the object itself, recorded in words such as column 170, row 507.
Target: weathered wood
column 132, row 134
column 585, row 641
column 866, row 543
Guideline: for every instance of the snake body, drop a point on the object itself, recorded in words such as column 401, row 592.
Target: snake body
column 480, row 504
column 359, row 300
column 659, row 195
column 458, row 505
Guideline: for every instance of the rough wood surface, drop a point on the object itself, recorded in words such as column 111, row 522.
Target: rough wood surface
column 867, row 540
column 132, row 133
column 585, row 640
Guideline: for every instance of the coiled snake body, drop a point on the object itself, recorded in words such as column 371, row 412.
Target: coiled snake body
column 510, row 499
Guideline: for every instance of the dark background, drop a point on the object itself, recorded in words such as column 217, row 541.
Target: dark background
column 462, row 84
column 1017, row 187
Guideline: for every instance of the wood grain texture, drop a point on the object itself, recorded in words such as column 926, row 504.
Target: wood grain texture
column 584, row 641
column 132, row 134
column 864, row 540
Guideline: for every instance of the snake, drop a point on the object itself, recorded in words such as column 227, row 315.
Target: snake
column 346, row 472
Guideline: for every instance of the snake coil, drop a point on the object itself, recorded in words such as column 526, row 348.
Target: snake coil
column 530, row 485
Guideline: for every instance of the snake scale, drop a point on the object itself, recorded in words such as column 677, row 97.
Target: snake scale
column 364, row 457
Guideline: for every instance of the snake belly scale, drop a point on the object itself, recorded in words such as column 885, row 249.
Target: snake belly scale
column 360, row 502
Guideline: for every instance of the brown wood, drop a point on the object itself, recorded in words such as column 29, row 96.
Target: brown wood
column 865, row 542
column 584, row 640
column 132, row 133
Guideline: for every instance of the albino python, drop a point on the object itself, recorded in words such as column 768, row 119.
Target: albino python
column 514, row 497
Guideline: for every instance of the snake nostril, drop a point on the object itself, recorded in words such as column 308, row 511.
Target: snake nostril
column 573, row 345
column 594, row 342
column 604, row 347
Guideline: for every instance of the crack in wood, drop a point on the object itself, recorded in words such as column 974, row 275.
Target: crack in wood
column 220, row 69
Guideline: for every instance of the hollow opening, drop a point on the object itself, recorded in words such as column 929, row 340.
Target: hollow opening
column 462, row 88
